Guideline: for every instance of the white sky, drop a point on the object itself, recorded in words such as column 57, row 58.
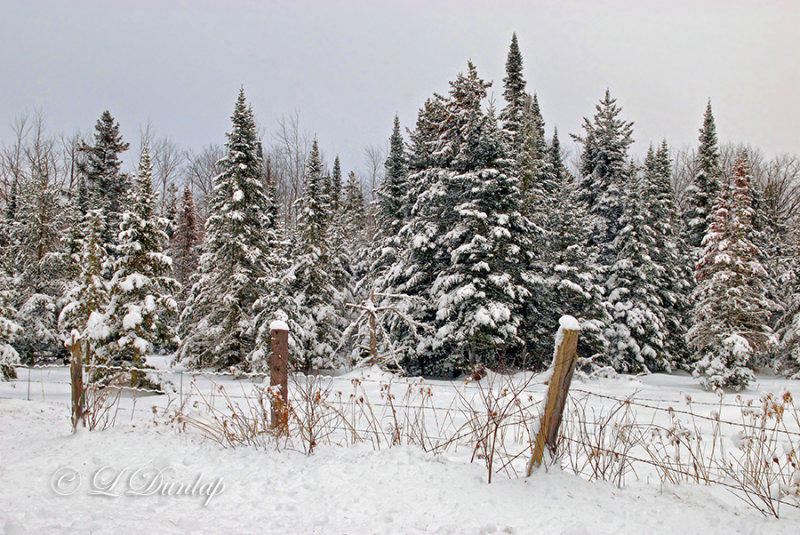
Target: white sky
column 348, row 67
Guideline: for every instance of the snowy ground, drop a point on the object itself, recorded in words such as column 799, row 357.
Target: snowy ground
column 355, row 489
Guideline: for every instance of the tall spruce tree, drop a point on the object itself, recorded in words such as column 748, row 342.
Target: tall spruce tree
column 217, row 327
column 731, row 307
column 391, row 194
column 335, row 192
column 705, row 185
column 392, row 209
column 513, row 116
column 105, row 186
column 604, row 172
column 536, row 175
column 670, row 254
column 83, row 317
column 573, row 288
column 466, row 243
column 317, row 318
column 141, row 306
column 638, row 332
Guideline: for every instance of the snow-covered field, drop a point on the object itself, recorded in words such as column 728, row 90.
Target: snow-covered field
column 52, row 480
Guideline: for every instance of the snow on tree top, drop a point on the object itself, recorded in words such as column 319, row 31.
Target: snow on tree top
column 569, row 323
column 278, row 325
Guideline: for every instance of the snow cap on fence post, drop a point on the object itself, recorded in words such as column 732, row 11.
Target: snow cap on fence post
column 569, row 323
column 278, row 325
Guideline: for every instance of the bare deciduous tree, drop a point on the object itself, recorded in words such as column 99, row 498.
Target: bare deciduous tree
column 288, row 154
column 375, row 159
column 199, row 171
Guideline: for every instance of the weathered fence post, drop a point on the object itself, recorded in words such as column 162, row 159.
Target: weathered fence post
column 76, row 376
column 563, row 366
column 279, row 374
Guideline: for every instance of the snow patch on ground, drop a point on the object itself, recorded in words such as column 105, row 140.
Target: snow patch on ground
column 336, row 490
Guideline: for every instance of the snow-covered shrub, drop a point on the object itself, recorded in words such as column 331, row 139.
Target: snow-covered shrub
column 39, row 322
column 727, row 367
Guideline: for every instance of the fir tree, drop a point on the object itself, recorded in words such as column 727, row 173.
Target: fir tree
column 536, row 175
column 572, row 285
column 9, row 330
column 141, row 291
column 705, row 186
column 788, row 359
column 170, row 210
column 354, row 207
column 335, row 192
column 392, row 209
column 604, row 173
column 316, row 320
column 106, row 186
column 466, row 244
column 425, row 136
column 638, row 332
column 217, row 327
column 513, row 116
column 731, row 309
column 84, row 314
column 391, row 194
column 669, row 253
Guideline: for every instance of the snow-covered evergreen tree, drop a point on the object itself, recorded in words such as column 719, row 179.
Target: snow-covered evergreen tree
column 572, row 287
column 604, row 173
column 466, row 243
column 335, row 192
column 217, row 327
column 141, row 291
column 788, row 354
column 391, row 194
column 41, row 277
column 392, row 209
column 317, row 317
column 670, row 254
column 105, row 186
column 638, row 333
column 355, row 219
column 84, row 313
column 425, row 136
column 513, row 115
column 169, row 209
column 9, row 330
column 536, row 174
column 705, row 186
column 731, row 308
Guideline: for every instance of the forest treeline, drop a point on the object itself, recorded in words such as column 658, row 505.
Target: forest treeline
column 462, row 246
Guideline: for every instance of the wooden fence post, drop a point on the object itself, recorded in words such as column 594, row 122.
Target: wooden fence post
column 76, row 376
column 563, row 367
column 279, row 374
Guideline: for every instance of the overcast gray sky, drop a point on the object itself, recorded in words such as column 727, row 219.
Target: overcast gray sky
column 348, row 67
